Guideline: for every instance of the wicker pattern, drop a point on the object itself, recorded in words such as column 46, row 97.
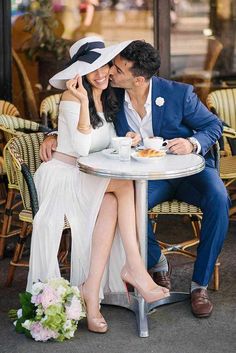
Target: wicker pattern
column 223, row 102
column 24, row 152
column 8, row 108
column 12, row 126
column 49, row 109
column 228, row 167
column 176, row 207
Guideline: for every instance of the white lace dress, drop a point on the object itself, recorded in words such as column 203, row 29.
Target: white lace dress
column 65, row 191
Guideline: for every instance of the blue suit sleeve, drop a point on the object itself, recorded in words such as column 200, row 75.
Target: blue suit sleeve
column 206, row 125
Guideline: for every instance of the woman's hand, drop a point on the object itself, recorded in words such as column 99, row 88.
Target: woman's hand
column 75, row 86
column 136, row 138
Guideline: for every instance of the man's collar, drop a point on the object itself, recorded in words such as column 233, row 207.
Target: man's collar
column 148, row 100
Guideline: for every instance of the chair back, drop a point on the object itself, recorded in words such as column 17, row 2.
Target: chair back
column 8, row 108
column 223, row 103
column 12, row 126
column 49, row 109
column 24, row 153
column 214, row 48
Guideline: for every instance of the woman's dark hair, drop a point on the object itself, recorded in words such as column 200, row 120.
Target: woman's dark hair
column 145, row 58
column 109, row 104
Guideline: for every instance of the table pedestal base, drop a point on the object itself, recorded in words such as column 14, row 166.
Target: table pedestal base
column 140, row 307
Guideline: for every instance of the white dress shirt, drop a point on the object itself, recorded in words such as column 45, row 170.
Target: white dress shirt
column 143, row 126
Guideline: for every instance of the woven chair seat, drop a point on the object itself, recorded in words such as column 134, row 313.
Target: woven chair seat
column 175, row 207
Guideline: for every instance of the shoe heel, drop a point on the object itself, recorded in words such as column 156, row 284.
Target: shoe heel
column 127, row 291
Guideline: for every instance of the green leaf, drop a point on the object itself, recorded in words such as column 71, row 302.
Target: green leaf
column 28, row 308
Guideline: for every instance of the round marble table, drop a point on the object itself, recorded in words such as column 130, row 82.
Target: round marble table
column 167, row 167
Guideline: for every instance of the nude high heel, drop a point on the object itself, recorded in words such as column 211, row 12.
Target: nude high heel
column 95, row 324
column 149, row 296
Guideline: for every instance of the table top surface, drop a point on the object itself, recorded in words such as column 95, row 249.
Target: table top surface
column 168, row 167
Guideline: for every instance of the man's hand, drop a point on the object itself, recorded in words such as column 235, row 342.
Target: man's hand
column 179, row 146
column 48, row 146
column 136, row 138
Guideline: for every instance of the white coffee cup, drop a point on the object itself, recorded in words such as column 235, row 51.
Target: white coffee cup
column 115, row 142
column 155, row 142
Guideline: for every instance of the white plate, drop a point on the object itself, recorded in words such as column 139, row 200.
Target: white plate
column 145, row 159
column 110, row 153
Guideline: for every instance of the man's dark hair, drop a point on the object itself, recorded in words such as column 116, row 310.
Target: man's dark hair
column 145, row 58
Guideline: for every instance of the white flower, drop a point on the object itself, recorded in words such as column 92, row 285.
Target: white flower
column 67, row 325
column 27, row 324
column 19, row 313
column 160, row 101
column 37, row 288
column 61, row 291
column 75, row 310
column 39, row 311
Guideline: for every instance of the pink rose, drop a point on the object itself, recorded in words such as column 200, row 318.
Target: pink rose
column 49, row 297
column 74, row 311
column 39, row 333
column 36, row 299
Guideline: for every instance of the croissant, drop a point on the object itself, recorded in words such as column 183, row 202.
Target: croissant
column 148, row 153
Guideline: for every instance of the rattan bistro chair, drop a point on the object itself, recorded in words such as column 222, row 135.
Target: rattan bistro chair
column 49, row 109
column 8, row 108
column 5, row 108
column 12, row 126
column 175, row 207
column 24, row 152
column 223, row 103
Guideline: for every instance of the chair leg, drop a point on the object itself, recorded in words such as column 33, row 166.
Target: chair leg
column 6, row 220
column 64, row 248
column 17, row 254
column 216, row 276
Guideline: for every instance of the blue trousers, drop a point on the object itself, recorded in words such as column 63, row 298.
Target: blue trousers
column 207, row 191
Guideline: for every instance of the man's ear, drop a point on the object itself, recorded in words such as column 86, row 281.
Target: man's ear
column 139, row 80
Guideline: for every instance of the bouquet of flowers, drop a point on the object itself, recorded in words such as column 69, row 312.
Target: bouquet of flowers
column 51, row 311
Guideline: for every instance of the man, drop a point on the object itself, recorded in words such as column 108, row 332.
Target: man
column 153, row 106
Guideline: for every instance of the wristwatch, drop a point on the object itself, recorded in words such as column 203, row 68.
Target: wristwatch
column 193, row 141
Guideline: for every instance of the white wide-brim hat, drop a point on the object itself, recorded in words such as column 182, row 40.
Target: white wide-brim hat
column 87, row 55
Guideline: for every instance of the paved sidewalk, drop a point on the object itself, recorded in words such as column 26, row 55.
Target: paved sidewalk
column 172, row 328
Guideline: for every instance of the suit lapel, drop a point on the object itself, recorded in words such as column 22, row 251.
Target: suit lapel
column 157, row 111
column 121, row 124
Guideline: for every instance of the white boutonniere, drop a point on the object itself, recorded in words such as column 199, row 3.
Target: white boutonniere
column 160, row 101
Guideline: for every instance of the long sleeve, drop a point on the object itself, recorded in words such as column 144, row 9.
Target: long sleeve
column 69, row 118
column 207, row 126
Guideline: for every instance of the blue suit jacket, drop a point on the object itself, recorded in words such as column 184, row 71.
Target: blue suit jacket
column 181, row 115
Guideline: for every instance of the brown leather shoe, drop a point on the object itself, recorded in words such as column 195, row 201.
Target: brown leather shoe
column 162, row 278
column 200, row 303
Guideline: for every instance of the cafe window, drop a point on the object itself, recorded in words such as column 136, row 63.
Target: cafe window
column 203, row 42
column 42, row 54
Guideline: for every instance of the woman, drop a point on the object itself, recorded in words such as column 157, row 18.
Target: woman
column 86, row 111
